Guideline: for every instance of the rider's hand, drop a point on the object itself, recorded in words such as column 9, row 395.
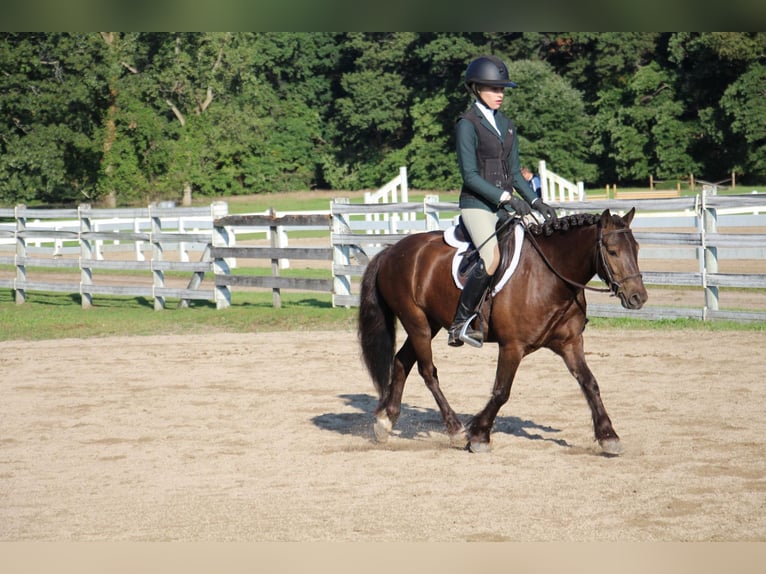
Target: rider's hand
column 546, row 210
column 518, row 205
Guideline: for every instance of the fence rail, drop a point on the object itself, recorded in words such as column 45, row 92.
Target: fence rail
column 707, row 245
column 79, row 227
column 354, row 237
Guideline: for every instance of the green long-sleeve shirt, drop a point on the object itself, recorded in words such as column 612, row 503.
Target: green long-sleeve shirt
column 483, row 155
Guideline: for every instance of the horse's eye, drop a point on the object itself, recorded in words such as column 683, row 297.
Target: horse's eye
column 612, row 252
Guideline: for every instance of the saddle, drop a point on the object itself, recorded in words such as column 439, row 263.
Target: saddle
column 510, row 236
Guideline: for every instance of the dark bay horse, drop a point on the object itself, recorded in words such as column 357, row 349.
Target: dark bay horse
column 543, row 305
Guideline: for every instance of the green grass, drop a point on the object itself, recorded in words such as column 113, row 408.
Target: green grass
column 308, row 201
column 55, row 316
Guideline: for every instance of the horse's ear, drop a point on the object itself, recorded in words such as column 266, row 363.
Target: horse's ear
column 606, row 218
column 629, row 216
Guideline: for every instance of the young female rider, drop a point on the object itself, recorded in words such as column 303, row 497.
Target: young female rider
column 488, row 157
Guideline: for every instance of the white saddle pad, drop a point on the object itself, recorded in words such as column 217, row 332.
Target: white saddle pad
column 463, row 246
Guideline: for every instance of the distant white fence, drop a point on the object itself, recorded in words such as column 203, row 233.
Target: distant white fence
column 395, row 191
column 556, row 189
column 75, row 240
column 689, row 230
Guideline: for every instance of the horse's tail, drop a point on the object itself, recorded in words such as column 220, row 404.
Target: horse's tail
column 376, row 328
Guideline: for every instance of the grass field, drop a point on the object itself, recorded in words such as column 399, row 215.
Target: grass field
column 55, row 316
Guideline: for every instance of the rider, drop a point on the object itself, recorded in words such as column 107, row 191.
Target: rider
column 488, row 157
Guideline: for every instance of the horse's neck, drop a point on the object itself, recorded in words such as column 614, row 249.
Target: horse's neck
column 573, row 252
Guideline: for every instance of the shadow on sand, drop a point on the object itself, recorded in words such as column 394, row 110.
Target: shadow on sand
column 415, row 421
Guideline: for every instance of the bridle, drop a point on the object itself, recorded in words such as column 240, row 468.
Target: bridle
column 615, row 287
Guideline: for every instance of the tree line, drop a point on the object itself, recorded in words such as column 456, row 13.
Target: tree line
column 126, row 118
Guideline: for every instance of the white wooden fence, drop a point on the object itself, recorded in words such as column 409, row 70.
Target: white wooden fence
column 703, row 214
column 689, row 230
column 75, row 241
column 556, row 189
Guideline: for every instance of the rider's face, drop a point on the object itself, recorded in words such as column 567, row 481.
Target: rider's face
column 492, row 96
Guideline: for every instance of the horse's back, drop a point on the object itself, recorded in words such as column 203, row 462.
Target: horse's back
column 415, row 273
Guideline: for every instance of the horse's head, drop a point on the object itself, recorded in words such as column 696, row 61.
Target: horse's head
column 618, row 259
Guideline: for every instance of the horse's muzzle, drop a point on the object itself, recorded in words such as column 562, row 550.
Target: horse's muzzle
column 633, row 298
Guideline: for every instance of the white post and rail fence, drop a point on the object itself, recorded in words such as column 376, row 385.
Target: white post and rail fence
column 143, row 245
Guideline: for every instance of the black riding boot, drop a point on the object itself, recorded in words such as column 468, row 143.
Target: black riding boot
column 461, row 331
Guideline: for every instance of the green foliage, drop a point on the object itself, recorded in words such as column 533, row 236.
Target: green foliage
column 431, row 165
column 138, row 117
column 540, row 106
column 52, row 86
column 745, row 101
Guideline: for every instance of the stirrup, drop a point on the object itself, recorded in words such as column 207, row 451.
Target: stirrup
column 463, row 337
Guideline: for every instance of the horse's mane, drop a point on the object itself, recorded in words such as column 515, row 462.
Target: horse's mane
column 563, row 223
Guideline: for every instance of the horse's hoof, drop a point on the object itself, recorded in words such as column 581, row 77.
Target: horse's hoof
column 611, row 446
column 479, row 447
column 458, row 439
column 382, row 428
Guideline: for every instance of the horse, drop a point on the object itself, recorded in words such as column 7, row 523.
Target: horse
column 542, row 305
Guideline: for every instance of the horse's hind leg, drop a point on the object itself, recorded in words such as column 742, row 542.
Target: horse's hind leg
column 390, row 405
column 389, row 409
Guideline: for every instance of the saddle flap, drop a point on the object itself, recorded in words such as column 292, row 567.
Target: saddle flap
column 510, row 238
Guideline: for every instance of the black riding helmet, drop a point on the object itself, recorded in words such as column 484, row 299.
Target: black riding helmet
column 487, row 71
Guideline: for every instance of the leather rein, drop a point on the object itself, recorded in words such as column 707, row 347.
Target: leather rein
column 614, row 286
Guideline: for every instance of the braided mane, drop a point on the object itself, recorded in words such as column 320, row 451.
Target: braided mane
column 563, row 223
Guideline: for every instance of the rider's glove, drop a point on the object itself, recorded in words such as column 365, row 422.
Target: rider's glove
column 546, row 210
column 520, row 206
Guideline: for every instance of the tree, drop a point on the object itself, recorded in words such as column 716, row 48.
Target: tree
column 550, row 120
column 715, row 73
column 744, row 103
column 53, row 94
column 127, row 118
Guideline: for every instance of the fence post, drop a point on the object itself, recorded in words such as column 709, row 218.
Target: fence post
column 138, row 244
column 282, row 241
column 21, row 254
column 710, row 255
column 221, row 238
column 157, row 274
column 341, row 254
column 183, row 253
column 86, row 255
column 276, row 297
column 431, row 215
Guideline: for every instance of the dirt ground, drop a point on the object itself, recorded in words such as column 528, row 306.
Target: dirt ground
column 268, row 437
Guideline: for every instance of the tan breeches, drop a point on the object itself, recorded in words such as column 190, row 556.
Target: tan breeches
column 481, row 227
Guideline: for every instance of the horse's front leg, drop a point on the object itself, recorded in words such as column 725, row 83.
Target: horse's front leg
column 574, row 357
column 481, row 425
